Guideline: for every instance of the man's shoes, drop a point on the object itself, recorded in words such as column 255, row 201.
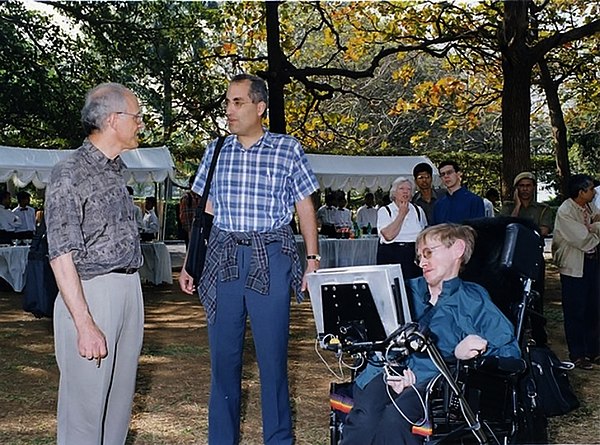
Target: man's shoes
column 584, row 363
column 595, row 360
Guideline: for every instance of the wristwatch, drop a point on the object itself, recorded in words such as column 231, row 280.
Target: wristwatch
column 313, row 257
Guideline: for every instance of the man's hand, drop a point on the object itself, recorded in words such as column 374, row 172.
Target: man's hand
column 470, row 346
column 311, row 266
column 517, row 199
column 398, row 383
column 91, row 342
column 186, row 282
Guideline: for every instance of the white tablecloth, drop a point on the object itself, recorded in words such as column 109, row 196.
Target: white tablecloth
column 157, row 264
column 13, row 261
column 344, row 252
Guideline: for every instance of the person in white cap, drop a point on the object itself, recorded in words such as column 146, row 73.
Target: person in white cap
column 525, row 205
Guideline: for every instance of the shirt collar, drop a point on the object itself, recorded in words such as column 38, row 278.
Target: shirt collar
column 95, row 156
column 449, row 287
column 459, row 191
column 266, row 140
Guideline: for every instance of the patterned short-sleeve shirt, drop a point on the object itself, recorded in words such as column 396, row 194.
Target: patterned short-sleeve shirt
column 88, row 212
column 255, row 189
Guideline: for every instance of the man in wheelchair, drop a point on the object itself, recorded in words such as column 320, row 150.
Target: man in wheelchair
column 462, row 322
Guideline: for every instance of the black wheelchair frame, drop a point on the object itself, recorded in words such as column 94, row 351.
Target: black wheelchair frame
column 483, row 401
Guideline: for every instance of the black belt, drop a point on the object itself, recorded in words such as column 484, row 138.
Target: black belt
column 244, row 242
column 127, row 271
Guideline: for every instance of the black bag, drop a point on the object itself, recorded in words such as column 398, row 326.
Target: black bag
column 40, row 285
column 201, row 225
column 554, row 391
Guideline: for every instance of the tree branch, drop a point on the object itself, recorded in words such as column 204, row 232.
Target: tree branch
column 560, row 38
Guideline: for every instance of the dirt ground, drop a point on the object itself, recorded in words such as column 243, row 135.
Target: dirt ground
column 173, row 377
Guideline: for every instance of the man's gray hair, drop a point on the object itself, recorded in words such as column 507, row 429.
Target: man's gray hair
column 400, row 180
column 100, row 102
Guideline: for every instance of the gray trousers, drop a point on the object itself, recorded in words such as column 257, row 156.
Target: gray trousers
column 94, row 403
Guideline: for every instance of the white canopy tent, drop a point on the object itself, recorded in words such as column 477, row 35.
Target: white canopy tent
column 21, row 166
column 24, row 165
column 359, row 172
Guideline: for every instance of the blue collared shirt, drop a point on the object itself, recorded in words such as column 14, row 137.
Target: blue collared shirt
column 255, row 189
column 463, row 308
column 457, row 207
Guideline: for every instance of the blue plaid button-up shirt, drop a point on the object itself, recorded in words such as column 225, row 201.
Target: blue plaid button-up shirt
column 253, row 193
column 255, row 189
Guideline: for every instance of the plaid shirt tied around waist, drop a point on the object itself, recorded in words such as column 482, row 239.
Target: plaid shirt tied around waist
column 221, row 263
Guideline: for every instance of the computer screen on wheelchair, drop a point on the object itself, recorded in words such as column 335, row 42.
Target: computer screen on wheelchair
column 358, row 304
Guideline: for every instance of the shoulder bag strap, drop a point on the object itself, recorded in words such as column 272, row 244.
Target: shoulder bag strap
column 417, row 209
column 211, row 171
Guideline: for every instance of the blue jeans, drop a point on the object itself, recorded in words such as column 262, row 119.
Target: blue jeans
column 580, row 302
column 269, row 320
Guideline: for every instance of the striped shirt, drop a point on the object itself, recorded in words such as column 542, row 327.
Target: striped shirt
column 255, row 189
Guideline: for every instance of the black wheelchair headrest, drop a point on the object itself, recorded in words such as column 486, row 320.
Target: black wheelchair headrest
column 486, row 268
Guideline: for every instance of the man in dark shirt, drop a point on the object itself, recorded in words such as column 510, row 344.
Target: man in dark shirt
column 95, row 253
column 459, row 204
column 425, row 196
column 525, row 205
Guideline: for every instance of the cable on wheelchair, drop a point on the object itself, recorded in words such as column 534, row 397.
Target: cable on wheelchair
column 392, row 399
column 339, row 354
column 414, row 340
column 389, row 371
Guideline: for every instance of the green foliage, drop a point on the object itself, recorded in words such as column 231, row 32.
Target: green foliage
column 482, row 171
column 41, row 89
column 584, row 132
column 172, row 231
column 364, row 77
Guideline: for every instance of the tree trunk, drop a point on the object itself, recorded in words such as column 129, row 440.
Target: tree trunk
column 167, row 105
column 559, row 128
column 516, row 106
column 276, row 77
column 516, row 95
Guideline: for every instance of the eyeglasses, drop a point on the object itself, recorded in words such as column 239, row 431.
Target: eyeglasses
column 423, row 177
column 426, row 253
column 237, row 103
column 139, row 117
column 447, row 173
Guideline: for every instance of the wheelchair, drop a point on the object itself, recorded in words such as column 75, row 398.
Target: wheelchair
column 484, row 401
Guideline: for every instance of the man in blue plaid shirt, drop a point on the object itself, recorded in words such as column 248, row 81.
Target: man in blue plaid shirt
column 252, row 260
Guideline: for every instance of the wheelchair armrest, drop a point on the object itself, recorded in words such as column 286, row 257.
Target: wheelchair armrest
column 502, row 366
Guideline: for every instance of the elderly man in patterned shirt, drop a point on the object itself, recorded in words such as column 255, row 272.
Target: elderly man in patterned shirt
column 95, row 254
column 252, row 260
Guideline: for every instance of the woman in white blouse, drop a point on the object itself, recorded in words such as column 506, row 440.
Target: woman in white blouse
column 398, row 225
